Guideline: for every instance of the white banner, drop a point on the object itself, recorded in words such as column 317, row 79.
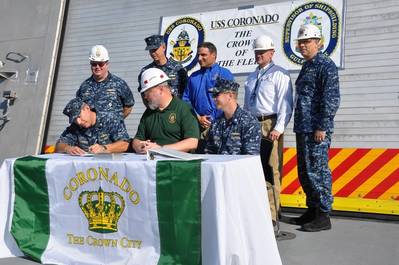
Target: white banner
column 99, row 211
column 234, row 30
column 110, row 239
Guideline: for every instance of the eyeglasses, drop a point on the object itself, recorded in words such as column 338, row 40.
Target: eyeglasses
column 263, row 51
column 100, row 64
column 306, row 41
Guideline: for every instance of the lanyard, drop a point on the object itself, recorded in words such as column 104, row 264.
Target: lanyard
column 257, row 84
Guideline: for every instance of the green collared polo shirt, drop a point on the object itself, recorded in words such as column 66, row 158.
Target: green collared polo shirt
column 170, row 125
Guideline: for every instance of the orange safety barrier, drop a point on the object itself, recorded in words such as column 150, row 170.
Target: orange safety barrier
column 49, row 149
column 364, row 180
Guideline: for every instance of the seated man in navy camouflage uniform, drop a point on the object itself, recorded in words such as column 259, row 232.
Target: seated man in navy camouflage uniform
column 175, row 71
column 108, row 92
column 91, row 131
column 236, row 132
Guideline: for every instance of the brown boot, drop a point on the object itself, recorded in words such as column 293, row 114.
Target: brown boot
column 321, row 222
column 307, row 217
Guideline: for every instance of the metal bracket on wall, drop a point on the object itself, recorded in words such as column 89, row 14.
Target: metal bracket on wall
column 31, row 76
column 8, row 75
column 16, row 57
column 31, row 73
column 9, row 98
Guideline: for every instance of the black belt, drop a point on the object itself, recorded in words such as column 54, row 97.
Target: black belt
column 266, row 117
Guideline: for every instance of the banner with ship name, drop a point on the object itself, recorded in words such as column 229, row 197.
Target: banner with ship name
column 233, row 32
column 116, row 213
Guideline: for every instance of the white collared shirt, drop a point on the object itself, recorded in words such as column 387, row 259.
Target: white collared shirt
column 273, row 95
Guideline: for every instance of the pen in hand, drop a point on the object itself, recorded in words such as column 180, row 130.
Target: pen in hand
column 91, row 147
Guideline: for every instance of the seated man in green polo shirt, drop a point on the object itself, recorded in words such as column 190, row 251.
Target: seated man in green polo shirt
column 168, row 121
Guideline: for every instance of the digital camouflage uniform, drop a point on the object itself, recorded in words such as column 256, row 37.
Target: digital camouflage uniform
column 110, row 95
column 174, row 70
column 176, row 73
column 240, row 135
column 109, row 128
column 317, row 101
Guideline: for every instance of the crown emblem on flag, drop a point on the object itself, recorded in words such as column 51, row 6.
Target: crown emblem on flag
column 102, row 210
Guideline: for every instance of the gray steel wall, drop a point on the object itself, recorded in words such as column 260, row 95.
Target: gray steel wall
column 369, row 114
column 31, row 28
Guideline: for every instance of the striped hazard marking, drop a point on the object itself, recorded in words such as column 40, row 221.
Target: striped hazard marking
column 364, row 180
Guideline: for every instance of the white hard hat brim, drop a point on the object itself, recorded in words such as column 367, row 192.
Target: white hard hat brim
column 307, row 38
column 263, row 49
column 98, row 60
column 147, row 88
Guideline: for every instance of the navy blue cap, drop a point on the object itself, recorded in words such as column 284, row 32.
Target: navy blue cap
column 73, row 108
column 224, row 85
column 154, row 42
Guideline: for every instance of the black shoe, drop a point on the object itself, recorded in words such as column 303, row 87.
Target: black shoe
column 307, row 217
column 320, row 223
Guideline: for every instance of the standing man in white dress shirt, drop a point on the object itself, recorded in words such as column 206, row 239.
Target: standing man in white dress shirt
column 269, row 97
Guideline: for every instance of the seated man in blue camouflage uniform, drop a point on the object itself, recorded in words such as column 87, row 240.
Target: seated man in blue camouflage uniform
column 91, row 131
column 108, row 92
column 236, row 132
column 175, row 71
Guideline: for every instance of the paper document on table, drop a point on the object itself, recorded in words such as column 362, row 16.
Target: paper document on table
column 165, row 152
column 108, row 156
column 87, row 154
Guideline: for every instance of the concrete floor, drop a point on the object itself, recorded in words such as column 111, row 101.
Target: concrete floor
column 350, row 242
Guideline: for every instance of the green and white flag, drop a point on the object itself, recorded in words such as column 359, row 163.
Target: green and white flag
column 107, row 213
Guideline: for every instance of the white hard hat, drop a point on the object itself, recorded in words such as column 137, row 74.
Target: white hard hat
column 98, row 53
column 151, row 78
column 263, row 43
column 309, row 31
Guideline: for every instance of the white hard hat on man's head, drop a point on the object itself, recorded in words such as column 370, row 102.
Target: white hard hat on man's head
column 151, row 78
column 309, row 31
column 263, row 43
column 98, row 53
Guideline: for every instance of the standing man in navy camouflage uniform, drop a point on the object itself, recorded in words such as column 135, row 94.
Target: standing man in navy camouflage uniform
column 176, row 72
column 268, row 96
column 108, row 92
column 91, row 131
column 317, row 101
column 236, row 132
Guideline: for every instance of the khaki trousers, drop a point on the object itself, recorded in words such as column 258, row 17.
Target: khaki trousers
column 272, row 163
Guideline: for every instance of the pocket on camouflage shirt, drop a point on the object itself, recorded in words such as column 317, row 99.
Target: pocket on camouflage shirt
column 235, row 135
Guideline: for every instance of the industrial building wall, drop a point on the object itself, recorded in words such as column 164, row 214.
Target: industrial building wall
column 29, row 35
column 369, row 113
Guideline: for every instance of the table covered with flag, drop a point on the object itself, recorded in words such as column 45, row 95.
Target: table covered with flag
column 59, row 209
